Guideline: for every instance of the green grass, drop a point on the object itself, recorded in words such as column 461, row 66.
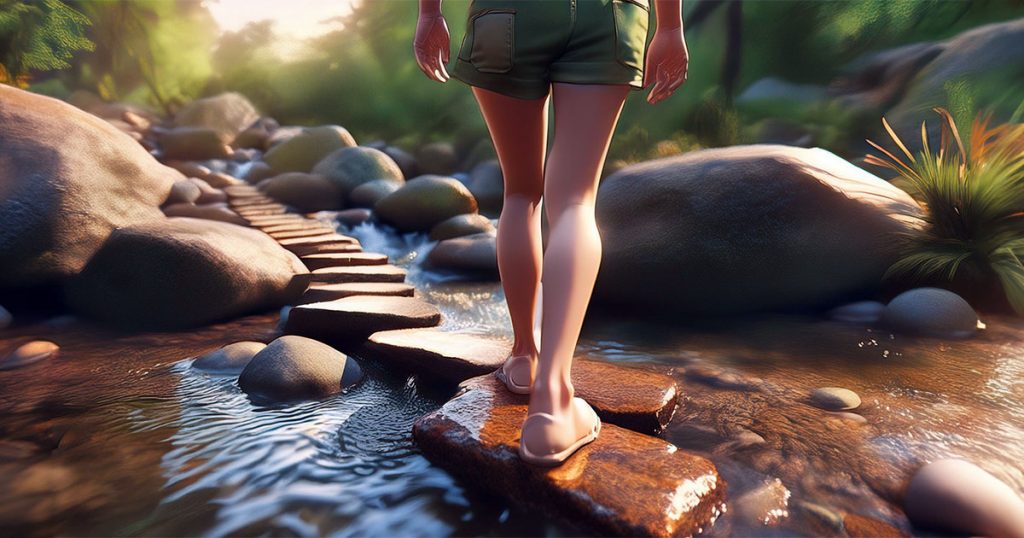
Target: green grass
column 973, row 197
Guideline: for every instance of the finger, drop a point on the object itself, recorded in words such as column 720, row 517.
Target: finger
column 433, row 67
column 658, row 92
column 419, row 61
column 440, row 63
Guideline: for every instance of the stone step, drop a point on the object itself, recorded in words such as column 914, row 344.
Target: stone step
column 329, row 292
column 271, row 220
column 304, row 249
column 268, row 209
column 241, row 191
column 333, row 238
column 309, row 232
column 350, row 320
column 250, row 201
column 624, row 483
column 343, row 259
column 294, row 226
column 631, row 397
column 360, row 273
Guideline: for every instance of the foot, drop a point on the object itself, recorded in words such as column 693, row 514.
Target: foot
column 548, row 439
column 517, row 372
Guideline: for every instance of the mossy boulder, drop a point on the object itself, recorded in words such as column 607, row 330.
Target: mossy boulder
column 302, row 152
column 350, row 167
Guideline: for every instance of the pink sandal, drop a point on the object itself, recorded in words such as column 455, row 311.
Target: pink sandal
column 503, row 375
column 550, row 460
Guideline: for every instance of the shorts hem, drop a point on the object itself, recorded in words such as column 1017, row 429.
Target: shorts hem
column 499, row 82
column 597, row 73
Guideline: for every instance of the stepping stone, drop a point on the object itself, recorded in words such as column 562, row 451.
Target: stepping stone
column 251, row 201
column 333, row 238
column 295, row 225
column 242, row 191
column 623, row 484
column 304, row 249
column 633, row 398
column 259, row 206
column 343, row 259
column 310, row 232
column 352, row 319
column 360, row 273
column 271, row 220
column 329, row 292
column 252, row 211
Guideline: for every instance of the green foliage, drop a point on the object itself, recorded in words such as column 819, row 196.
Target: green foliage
column 973, row 197
column 38, row 35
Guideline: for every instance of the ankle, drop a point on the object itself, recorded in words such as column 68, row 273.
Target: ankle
column 559, row 391
column 521, row 349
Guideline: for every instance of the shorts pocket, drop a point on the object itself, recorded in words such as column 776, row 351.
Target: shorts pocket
column 490, row 40
column 632, row 18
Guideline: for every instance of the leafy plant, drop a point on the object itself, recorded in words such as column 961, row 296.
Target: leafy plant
column 39, row 35
column 973, row 198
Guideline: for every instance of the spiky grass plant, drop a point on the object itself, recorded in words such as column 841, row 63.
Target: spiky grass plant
column 973, row 200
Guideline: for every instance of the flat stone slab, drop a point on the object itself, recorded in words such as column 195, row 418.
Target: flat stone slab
column 308, row 232
column 331, row 238
column 242, row 191
column 329, row 292
column 631, row 397
column 343, row 259
column 268, row 209
column 307, row 249
column 249, row 201
column 294, row 225
column 269, row 220
column 352, row 319
column 624, row 483
column 360, row 273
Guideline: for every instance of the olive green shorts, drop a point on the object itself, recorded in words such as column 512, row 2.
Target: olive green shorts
column 519, row 47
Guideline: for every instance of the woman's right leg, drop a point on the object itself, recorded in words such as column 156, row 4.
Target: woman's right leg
column 519, row 131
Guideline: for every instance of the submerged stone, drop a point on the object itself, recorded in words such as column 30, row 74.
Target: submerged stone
column 624, row 483
column 835, row 399
column 931, row 312
column 29, row 353
column 295, row 368
column 956, row 496
column 230, row 359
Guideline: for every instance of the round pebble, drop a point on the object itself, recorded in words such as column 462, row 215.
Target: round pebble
column 230, row 359
column 858, row 312
column 835, row 399
column 29, row 353
column 931, row 312
column 956, row 496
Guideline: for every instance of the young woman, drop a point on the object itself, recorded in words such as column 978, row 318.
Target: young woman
column 587, row 55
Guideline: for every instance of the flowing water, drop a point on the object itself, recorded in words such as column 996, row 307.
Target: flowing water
column 119, row 436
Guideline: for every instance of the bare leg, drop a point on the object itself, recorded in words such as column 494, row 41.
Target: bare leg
column 518, row 128
column 585, row 118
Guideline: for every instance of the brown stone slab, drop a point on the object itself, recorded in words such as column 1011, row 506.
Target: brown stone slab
column 352, row 319
column 329, row 292
column 305, row 249
column 258, row 207
column 360, row 273
column 343, row 259
column 241, row 191
column 253, row 211
column 272, row 220
column 248, row 201
column 332, row 238
column 624, row 483
column 309, row 232
column 294, row 225
column 631, row 397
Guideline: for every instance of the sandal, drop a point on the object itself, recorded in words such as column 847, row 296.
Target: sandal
column 557, row 458
column 506, row 378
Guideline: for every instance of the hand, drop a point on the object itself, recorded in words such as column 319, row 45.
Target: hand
column 666, row 65
column 432, row 46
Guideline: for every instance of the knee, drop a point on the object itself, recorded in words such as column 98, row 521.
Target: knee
column 556, row 211
column 526, row 195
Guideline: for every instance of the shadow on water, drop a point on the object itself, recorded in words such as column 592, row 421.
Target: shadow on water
column 119, row 436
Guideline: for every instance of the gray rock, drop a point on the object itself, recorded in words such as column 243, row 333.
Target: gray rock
column 208, row 194
column 227, row 114
column 931, row 312
column 405, row 160
column 302, row 152
column 437, row 158
column 182, row 272
column 69, row 178
column 296, row 368
column 746, row 228
column 955, row 496
column 193, row 143
column 772, row 89
column 858, row 312
column 475, row 255
column 461, row 225
column 349, row 168
column 835, row 399
column 230, row 359
column 368, row 194
column 488, row 187
column 304, row 192
column 424, row 202
column 184, row 191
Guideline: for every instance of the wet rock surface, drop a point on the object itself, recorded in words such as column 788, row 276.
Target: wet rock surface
column 931, row 312
column 230, row 359
column 29, row 353
column 357, row 317
column 360, row 273
column 475, row 436
column 293, row 368
column 343, row 259
column 328, row 292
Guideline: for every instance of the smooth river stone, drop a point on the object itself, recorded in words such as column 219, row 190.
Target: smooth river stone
column 835, row 399
column 360, row 273
column 297, row 368
column 630, row 397
column 357, row 317
column 931, row 312
column 29, row 353
column 329, row 292
column 957, row 497
column 230, row 359
column 624, row 483
column 343, row 259
column 308, row 232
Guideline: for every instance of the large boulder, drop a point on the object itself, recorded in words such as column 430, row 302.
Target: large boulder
column 67, row 178
column 368, row 194
column 746, row 228
column 301, row 152
column 349, row 168
column 182, row 272
column 424, row 202
column 193, row 143
column 228, row 114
